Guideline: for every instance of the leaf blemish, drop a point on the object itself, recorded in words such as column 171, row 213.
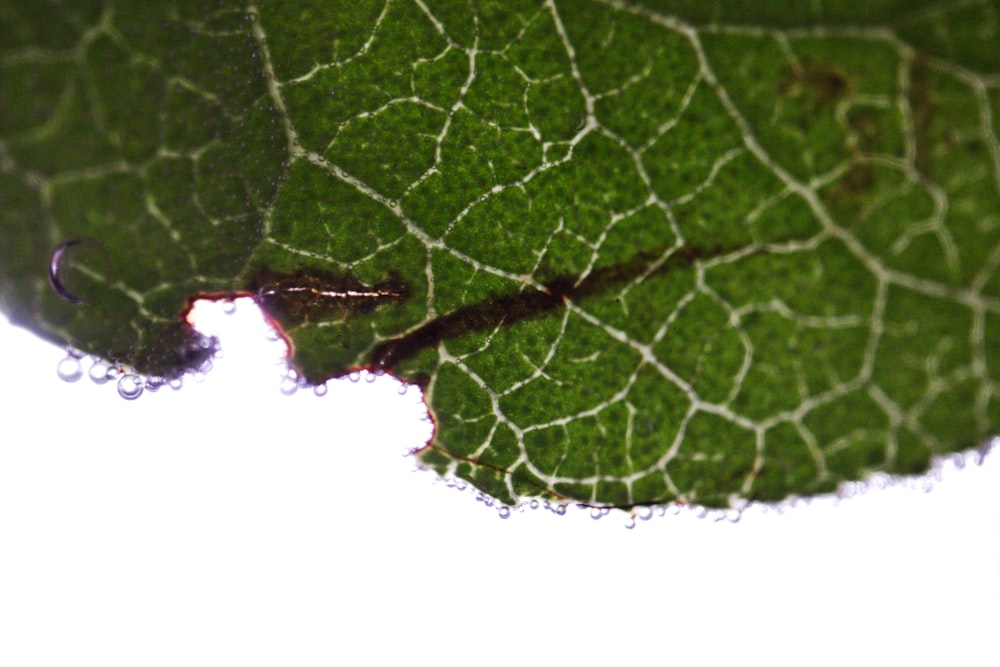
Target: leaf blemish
column 316, row 295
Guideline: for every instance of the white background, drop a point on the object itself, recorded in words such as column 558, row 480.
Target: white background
column 227, row 524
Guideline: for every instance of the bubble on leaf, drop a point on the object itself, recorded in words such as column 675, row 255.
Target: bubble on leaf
column 503, row 512
column 69, row 369
column 154, row 383
column 289, row 385
column 354, row 376
column 98, row 372
column 130, row 386
column 370, row 377
column 534, row 504
column 630, row 523
column 320, row 389
column 113, row 373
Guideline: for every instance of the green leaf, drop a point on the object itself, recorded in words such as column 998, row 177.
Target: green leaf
column 634, row 252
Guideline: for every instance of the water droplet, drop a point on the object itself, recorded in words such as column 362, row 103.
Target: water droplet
column 645, row 513
column 354, row 376
column 560, row 509
column 504, row 512
column 370, row 377
column 289, row 385
column 630, row 524
column 130, row 386
column 229, row 307
column 402, row 389
column 154, row 383
column 69, row 369
column 176, row 383
column 98, row 372
column 272, row 335
column 205, row 366
column 114, row 372
column 534, row 504
column 75, row 352
column 320, row 389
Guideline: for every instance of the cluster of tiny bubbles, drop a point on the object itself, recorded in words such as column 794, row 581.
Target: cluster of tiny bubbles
column 598, row 512
column 457, row 484
column 155, row 382
column 202, row 370
column 291, row 382
column 556, row 508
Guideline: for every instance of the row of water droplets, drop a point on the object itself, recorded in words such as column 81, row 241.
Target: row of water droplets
column 130, row 384
column 638, row 514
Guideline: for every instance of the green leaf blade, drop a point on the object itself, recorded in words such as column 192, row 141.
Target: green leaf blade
column 634, row 253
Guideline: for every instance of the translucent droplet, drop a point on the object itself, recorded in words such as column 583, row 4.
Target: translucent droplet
column 504, row 512
column 155, row 383
column 69, row 369
column 289, row 385
column 205, row 366
column 534, row 504
column 645, row 513
column 198, row 377
column 176, row 383
column 75, row 352
column 272, row 335
column 98, row 372
column 320, row 389
column 402, row 389
column 354, row 376
column 559, row 509
column 370, row 377
column 113, row 373
column 130, row 386
column 630, row 524
column 229, row 307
